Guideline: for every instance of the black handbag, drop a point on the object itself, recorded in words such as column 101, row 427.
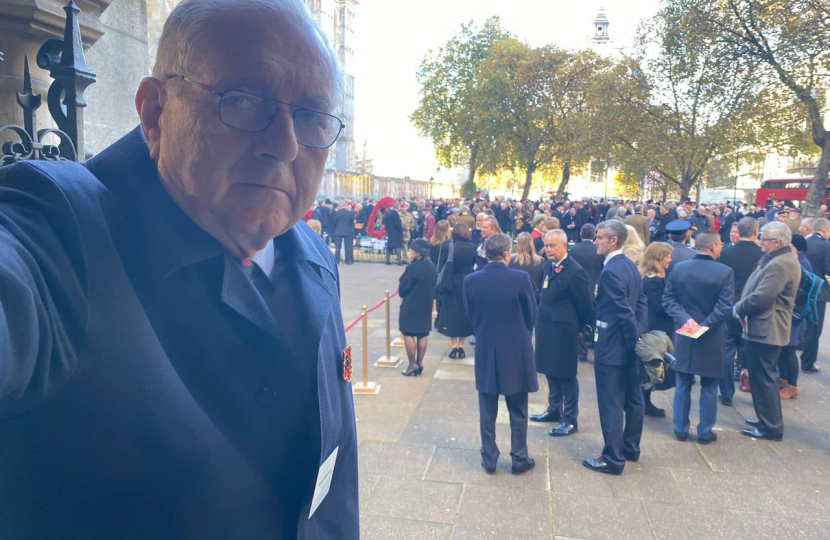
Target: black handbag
column 445, row 277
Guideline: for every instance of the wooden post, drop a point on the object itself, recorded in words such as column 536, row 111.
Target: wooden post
column 366, row 387
column 388, row 360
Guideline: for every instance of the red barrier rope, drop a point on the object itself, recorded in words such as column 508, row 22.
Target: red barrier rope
column 371, row 309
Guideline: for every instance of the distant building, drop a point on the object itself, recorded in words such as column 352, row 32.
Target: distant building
column 600, row 35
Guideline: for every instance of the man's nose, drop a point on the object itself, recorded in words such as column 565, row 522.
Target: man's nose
column 279, row 141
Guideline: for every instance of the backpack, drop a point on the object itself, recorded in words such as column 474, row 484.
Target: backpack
column 811, row 289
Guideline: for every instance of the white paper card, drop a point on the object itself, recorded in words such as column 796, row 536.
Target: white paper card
column 323, row 481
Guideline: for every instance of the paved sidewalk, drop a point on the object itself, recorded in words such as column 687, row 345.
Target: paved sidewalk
column 421, row 478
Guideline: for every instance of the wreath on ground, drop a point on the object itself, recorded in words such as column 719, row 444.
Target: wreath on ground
column 383, row 204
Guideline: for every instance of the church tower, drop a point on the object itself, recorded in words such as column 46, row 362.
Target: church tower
column 600, row 35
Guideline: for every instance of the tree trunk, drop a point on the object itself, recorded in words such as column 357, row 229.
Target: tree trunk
column 566, row 175
column 816, row 195
column 531, row 168
column 471, row 172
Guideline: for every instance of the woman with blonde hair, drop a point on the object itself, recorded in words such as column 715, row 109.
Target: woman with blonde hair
column 528, row 260
column 653, row 264
column 439, row 244
column 633, row 246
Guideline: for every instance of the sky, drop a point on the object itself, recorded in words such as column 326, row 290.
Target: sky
column 392, row 37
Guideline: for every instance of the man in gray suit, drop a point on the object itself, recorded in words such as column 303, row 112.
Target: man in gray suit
column 765, row 311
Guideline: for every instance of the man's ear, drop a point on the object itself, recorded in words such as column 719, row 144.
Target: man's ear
column 149, row 103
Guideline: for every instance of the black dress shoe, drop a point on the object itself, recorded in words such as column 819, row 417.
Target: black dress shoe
column 600, row 466
column 461, row 353
column 546, row 416
column 563, row 430
column 488, row 470
column 680, row 436
column 654, row 412
column 410, row 372
column 811, row 369
column 710, row 439
column 454, row 352
column 753, row 421
column 724, row 401
column 523, row 468
column 758, row 435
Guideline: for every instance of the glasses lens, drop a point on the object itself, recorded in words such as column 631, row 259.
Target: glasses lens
column 245, row 111
column 316, row 129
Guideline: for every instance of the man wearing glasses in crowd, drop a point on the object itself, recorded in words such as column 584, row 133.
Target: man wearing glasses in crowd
column 172, row 355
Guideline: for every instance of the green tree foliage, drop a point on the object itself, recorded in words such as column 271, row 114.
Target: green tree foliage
column 468, row 189
column 447, row 112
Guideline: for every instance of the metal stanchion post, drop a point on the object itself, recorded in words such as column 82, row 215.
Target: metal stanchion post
column 388, row 360
column 366, row 387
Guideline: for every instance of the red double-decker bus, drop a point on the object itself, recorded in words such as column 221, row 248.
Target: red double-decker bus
column 791, row 191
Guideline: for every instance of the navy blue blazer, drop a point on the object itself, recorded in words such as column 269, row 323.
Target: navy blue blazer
column 501, row 305
column 622, row 312
column 146, row 389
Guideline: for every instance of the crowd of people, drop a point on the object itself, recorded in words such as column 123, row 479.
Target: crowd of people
column 673, row 311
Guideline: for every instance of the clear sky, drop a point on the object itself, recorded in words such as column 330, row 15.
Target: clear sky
column 392, row 37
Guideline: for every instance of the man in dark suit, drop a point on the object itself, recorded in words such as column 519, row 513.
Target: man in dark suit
column 501, row 305
column 394, row 234
column 679, row 231
column 725, row 224
column 818, row 253
column 565, row 304
column 666, row 217
column 742, row 258
column 699, row 292
column 585, row 253
column 164, row 293
column 343, row 230
column 622, row 317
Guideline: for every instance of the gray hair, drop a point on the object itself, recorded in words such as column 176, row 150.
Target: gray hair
column 779, row 231
column 186, row 29
column 821, row 224
column 705, row 240
column 497, row 247
column 615, row 228
column 638, row 209
column 561, row 236
column 748, row 228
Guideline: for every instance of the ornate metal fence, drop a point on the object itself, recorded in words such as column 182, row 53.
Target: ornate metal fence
column 64, row 59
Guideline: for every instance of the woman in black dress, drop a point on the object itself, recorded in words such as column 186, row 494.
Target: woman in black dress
column 653, row 264
column 452, row 318
column 417, row 290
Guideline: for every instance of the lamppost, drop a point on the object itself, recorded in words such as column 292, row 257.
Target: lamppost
column 431, row 180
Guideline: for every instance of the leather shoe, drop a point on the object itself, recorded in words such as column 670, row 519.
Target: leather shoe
column 724, row 401
column 681, row 437
column 523, row 468
column 710, row 439
column 758, row 435
column 546, row 416
column 631, row 458
column 753, row 422
column 563, row 429
column 600, row 466
column 654, row 412
column 488, row 470
column 811, row 369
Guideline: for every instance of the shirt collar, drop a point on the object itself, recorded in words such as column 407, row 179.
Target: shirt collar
column 264, row 258
column 560, row 262
column 612, row 255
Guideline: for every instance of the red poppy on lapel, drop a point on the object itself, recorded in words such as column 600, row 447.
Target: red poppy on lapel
column 347, row 363
column 557, row 269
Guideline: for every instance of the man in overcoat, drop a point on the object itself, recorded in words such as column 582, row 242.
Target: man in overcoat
column 343, row 231
column 622, row 316
column 394, row 234
column 171, row 342
column 699, row 293
column 818, row 253
column 765, row 312
column 679, row 232
column 501, row 305
column 640, row 222
column 565, row 305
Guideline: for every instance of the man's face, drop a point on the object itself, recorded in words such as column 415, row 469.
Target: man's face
column 784, row 216
column 245, row 188
column 768, row 245
column 479, row 221
column 651, row 213
column 605, row 242
column 486, row 229
column 717, row 248
column 554, row 249
column 733, row 234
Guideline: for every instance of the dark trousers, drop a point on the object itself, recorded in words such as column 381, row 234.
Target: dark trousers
column 349, row 248
column 621, row 411
column 389, row 254
column 788, row 364
column 811, row 337
column 488, row 409
column 581, row 349
column 563, row 397
column 727, row 382
column 762, row 363
column 683, row 404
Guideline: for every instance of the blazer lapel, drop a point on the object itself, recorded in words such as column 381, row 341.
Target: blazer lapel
column 240, row 294
column 318, row 284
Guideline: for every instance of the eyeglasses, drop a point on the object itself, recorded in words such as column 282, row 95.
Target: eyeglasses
column 253, row 113
column 768, row 239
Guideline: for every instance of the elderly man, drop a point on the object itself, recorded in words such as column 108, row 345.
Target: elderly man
column 172, row 356
column 765, row 311
column 640, row 223
column 699, row 293
column 501, row 305
column 622, row 316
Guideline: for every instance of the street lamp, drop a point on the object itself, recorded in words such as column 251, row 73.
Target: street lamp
column 431, row 179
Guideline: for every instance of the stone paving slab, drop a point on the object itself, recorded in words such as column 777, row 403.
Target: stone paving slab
column 420, row 474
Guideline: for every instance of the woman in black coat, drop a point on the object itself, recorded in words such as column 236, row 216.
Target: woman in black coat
column 452, row 317
column 527, row 260
column 653, row 264
column 417, row 290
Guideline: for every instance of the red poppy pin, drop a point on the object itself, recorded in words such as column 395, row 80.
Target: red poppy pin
column 347, row 363
column 558, row 269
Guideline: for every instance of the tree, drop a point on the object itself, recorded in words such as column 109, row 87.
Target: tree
column 447, row 112
column 468, row 189
column 682, row 100
column 792, row 39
